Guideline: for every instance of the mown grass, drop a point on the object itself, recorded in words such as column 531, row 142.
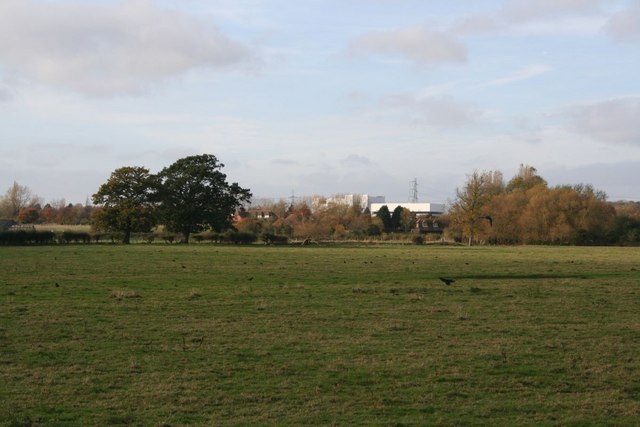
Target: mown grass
column 221, row 335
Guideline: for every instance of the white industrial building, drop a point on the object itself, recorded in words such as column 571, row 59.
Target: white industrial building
column 418, row 208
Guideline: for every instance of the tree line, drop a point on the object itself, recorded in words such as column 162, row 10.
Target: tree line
column 21, row 205
column 192, row 197
column 526, row 210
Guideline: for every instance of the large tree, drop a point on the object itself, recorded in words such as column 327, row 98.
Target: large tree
column 195, row 196
column 468, row 209
column 15, row 199
column 127, row 202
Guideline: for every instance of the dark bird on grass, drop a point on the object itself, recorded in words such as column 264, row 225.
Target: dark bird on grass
column 447, row 281
column 250, row 278
column 488, row 217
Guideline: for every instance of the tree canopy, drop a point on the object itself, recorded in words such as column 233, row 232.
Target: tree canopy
column 127, row 201
column 194, row 196
column 468, row 209
column 528, row 211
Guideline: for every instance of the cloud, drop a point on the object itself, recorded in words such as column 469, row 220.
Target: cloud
column 436, row 112
column 418, row 45
column 525, row 73
column 107, row 49
column 536, row 17
column 613, row 121
column 355, row 160
column 283, row 162
column 625, row 25
column 476, row 24
column 528, row 10
column 5, row 94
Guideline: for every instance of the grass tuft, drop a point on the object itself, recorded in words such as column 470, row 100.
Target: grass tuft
column 121, row 294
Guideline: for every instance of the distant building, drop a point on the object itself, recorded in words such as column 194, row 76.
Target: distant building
column 261, row 214
column 420, row 209
column 6, row 224
column 364, row 201
column 427, row 215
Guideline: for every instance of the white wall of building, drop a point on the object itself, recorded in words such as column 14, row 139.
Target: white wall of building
column 351, row 199
column 418, row 208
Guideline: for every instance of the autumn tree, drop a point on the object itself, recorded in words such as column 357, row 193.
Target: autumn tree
column 526, row 178
column 468, row 209
column 532, row 213
column 127, row 202
column 29, row 215
column 15, row 199
column 195, row 195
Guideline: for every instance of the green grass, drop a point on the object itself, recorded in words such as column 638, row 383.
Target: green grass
column 220, row 335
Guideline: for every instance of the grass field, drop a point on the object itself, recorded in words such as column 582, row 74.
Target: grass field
column 221, row 335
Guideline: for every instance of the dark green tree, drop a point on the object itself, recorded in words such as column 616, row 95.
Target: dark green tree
column 195, row 196
column 385, row 216
column 396, row 218
column 127, row 202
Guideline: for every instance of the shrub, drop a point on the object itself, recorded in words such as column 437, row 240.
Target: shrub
column 75, row 237
column 274, row 239
column 211, row 236
column 418, row 240
column 24, row 237
column 240, row 237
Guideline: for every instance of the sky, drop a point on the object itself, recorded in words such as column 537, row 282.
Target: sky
column 321, row 96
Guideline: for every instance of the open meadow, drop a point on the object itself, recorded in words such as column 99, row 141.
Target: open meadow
column 207, row 334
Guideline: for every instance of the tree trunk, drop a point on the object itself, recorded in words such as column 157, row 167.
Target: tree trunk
column 185, row 237
column 127, row 237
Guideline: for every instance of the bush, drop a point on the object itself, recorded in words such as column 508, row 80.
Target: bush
column 274, row 239
column 418, row 240
column 23, row 237
column 374, row 230
column 75, row 237
column 240, row 237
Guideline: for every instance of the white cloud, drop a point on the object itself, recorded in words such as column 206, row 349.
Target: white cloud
column 525, row 73
column 527, row 10
column 625, row 25
column 418, row 45
column 476, row 24
column 5, row 93
column 355, row 160
column 283, row 162
column 443, row 112
column 113, row 48
column 613, row 121
column 537, row 17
